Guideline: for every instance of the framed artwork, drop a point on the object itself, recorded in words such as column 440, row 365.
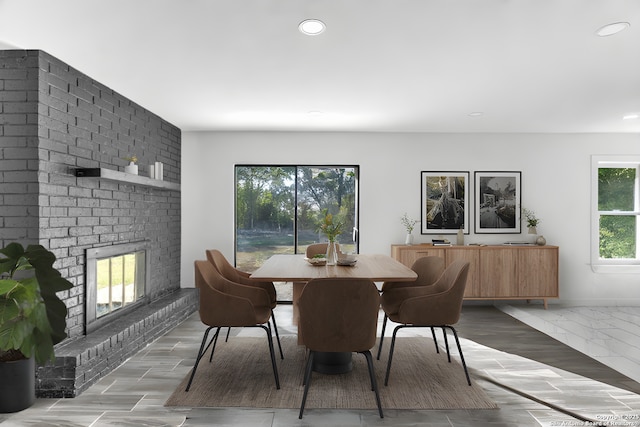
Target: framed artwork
column 497, row 202
column 444, row 202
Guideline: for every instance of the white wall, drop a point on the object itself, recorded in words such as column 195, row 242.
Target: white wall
column 555, row 184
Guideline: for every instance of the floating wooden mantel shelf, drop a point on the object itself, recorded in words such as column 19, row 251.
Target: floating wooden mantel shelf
column 126, row 178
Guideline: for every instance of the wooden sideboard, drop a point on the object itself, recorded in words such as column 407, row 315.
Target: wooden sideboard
column 496, row 272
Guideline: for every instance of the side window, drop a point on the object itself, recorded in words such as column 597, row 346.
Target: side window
column 615, row 210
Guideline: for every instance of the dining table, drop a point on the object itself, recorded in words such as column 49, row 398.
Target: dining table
column 295, row 268
column 298, row 269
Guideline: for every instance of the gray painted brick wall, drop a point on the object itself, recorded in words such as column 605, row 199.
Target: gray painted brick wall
column 53, row 119
column 18, row 148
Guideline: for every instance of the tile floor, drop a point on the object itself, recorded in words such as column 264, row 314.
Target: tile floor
column 608, row 334
column 494, row 345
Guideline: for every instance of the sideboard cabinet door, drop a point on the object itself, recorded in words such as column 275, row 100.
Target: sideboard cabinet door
column 538, row 272
column 454, row 253
column 498, row 272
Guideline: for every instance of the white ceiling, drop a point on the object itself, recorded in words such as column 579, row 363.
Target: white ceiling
column 381, row 65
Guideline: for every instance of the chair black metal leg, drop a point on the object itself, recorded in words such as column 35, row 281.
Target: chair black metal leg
column 275, row 328
column 304, row 374
column 372, row 377
column 273, row 355
column 446, row 343
column 228, row 331
column 201, row 351
column 214, row 340
column 393, row 344
column 384, row 327
column 444, row 332
column 307, row 382
column 374, row 385
column 464, row 365
column 435, row 340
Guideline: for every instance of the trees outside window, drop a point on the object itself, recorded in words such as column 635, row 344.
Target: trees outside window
column 278, row 209
column 616, row 210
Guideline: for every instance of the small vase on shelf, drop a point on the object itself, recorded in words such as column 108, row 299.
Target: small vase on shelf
column 332, row 253
column 541, row 241
column 460, row 237
column 131, row 168
column 409, row 239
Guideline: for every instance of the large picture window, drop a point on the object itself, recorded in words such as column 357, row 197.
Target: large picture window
column 278, row 209
column 615, row 210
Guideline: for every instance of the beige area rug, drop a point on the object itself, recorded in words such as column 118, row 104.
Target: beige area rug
column 240, row 375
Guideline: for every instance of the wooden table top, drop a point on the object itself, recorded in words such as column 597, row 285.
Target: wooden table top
column 294, row 268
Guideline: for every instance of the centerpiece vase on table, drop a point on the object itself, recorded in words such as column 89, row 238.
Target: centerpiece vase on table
column 332, row 230
column 332, row 253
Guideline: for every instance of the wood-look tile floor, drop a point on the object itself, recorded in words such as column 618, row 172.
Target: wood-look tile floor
column 519, row 367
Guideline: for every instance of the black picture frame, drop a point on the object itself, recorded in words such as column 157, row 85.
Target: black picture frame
column 444, row 204
column 497, row 202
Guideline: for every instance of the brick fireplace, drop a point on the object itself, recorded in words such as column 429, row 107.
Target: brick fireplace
column 55, row 119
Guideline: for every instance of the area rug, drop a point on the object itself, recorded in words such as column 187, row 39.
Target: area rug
column 240, row 375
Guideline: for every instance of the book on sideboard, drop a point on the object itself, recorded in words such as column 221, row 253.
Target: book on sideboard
column 440, row 242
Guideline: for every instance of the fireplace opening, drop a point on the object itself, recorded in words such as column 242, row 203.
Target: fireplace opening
column 117, row 281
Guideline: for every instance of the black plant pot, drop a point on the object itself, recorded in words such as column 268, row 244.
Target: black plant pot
column 17, row 385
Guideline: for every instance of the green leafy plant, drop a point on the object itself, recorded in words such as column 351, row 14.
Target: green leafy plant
column 32, row 317
column 530, row 217
column 409, row 223
column 332, row 229
column 133, row 158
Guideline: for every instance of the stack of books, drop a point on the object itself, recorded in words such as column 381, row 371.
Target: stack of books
column 440, row 242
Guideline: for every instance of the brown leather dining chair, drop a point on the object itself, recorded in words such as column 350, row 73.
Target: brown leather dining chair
column 339, row 315
column 231, row 273
column 438, row 306
column 428, row 269
column 318, row 248
column 227, row 304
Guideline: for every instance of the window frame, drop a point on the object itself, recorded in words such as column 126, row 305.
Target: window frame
column 355, row 231
column 618, row 265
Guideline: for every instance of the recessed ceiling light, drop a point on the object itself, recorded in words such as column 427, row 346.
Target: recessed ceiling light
column 476, row 114
column 611, row 29
column 311, row 27
column 631, row 116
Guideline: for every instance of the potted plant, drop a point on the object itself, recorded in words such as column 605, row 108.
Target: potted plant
column 409, row 225
column 32, row 320
column 532, row 221
column 131, row 167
